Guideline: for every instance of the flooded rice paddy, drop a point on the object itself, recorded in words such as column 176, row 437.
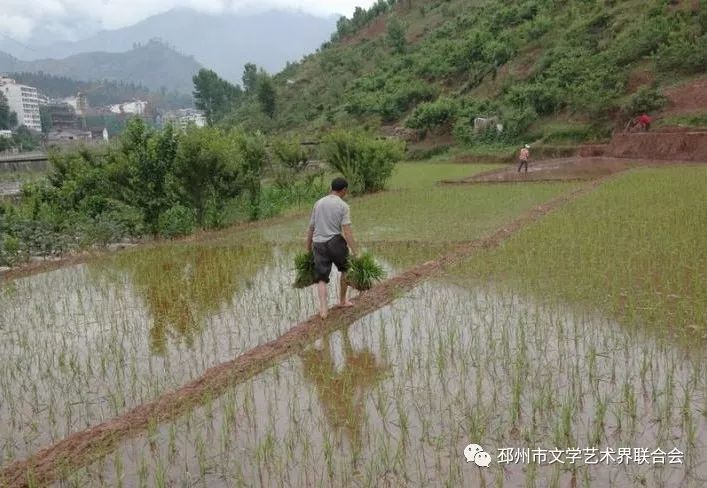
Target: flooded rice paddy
column 393, row 400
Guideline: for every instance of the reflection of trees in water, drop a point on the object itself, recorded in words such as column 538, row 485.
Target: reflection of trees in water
column 342, row 392
column 183, row 284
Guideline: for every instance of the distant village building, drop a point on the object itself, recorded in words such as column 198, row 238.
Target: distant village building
column 24, row 101
column 62, row 115
column 185, row 117
column 6, row 133
column 137, row 107
column 69, row 135
column 79, row 103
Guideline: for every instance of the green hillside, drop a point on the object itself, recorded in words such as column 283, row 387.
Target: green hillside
column 153, row 64
column 434, row 66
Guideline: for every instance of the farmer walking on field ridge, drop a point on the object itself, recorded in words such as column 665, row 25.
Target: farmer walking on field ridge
column 524, row 158
column 330, row 239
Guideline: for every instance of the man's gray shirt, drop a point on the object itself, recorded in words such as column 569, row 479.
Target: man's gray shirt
column 329, row 215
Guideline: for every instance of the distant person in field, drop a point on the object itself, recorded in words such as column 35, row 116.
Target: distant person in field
column 524, row 158
column 644, row 122
column 330, row 238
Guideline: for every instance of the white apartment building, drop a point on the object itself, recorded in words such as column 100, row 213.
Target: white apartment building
column 137, row 107
column 24, row 101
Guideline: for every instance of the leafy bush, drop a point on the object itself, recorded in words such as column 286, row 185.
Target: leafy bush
column 177, row 221
column 646, row 99
column 430, row 115
column 9, row 250
column 253, row 158
column 291, row 153
column 207, row 168
column 366, row 162
column 683, row 55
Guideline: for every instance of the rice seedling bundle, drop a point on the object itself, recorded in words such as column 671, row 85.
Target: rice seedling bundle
column 304, row 267
column 364, row 272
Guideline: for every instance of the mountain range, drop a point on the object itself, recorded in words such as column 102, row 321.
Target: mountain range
column 154, row 65
column 224, row 43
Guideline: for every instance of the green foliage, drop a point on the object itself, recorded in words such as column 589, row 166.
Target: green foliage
column 346, row 27
column 206, row 168
column 388, row 97
column 364, row 272
column 214, row 95
column 147, row 160
column 304, row 269
column 177, row 221
column 250, row 77
column 683, row 54
column 8, row 118
column 25, row 139
column 292, row 158
column 367, row 163
column 396, row 35
column 697, row 120
column 646, row 99
column 266, row 94
column 291, row 154
column 530, row 59
column 430, row 115
column 254, row 157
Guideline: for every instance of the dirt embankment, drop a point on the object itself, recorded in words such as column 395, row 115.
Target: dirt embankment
column 673, row 146
column 688, row 98
column 87, row 446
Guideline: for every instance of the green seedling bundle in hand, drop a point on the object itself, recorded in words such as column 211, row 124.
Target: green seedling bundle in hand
column 304, row 267
column 364, row 272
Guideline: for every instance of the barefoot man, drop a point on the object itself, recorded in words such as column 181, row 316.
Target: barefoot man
column 329, row 236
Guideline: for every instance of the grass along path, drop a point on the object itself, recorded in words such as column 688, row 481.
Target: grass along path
column 83, row 447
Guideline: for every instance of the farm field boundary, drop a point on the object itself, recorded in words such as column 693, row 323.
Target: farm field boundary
column 84, row 447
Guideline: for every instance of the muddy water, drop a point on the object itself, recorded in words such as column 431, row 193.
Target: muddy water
column 393, row 400
column 83, row 344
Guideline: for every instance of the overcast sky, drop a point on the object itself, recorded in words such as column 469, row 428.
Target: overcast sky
column 70, row 19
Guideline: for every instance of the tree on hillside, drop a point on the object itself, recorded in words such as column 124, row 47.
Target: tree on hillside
column 396, row 35
column 266, row 94
column 250, row 77
column 8, row 118
column 214, row 95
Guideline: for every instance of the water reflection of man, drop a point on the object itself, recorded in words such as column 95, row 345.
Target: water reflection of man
column 342, row 393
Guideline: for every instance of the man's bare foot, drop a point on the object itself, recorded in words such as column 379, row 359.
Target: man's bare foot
column 323, row 314
column 346, row 304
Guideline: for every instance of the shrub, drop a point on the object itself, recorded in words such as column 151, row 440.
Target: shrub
column 9, row 250
column 208, row 166
column 291, row 154
column 366, row 162
column 253, row 156
column 683, row 55
column 646, row 99
column 429, row 115
column 177, row 221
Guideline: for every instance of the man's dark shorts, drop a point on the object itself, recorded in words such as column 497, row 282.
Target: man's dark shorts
column 334, row 251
